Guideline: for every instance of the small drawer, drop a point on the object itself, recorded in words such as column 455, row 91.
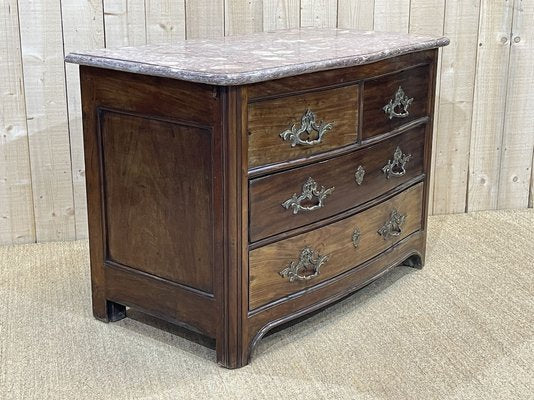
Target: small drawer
column 393, row 100
column 290, row 265
column 293, row 127
column 293, row 198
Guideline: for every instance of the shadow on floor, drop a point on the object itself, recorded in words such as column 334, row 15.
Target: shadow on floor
column 355, row 299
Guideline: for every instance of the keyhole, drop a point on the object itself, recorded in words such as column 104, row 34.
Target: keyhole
column 397, row 169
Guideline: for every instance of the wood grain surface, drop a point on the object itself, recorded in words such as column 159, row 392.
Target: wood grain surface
column 83, row 27
column 268, row 216
column 168, row 190
column 338, row 77
column 518, row 135
column 17, row 221
column 269, row 118
column 491, row 84
column 334, row 241
column 41, row 38
column 357, row 14
column 379, row 92
column 145, row 166
column 392, row 15
column 453, row 121
column 158, row 217
column 266, row 318
column 462, row 171
column 125, row 23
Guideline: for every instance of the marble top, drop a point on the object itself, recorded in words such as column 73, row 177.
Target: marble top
column 237, row 60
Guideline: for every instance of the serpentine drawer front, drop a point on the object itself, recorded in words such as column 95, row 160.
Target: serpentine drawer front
column 237, row 183
column 284, row 201
column 345, row 244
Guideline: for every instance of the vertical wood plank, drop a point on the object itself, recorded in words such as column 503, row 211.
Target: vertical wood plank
column 16, row 204
column 427, row 18
column 204, row 18
column 392, row 15
column 356, row 14
column 497, row 156
column 125, row 22
column 281, row 14
column 83, row 28
column 243, row 16
column 489, row 104
column 46, row 106
column 453, row 124
column 165, row 21
column 318, row 13
column 518, row 136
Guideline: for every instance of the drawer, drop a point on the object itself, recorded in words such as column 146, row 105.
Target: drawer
column 286, row 200
column 293, row 127
column 288, row 266
column 393, row 100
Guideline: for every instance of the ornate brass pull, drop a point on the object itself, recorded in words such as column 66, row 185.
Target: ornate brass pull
column 309, row 261
column 359, row 174
column 308, row 126
column 399, row 100
column 392, row 227
column 397, row 167
column 309, row 190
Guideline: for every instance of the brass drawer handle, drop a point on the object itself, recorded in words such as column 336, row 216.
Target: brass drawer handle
column 359, row 174
column 309, row 261
column 397, row 167
column 392, row 227
column 308, row 126
column 309, row 190
column 399, row 100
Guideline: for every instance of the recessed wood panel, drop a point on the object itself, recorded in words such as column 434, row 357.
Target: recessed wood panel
column 158, row 198
column 269, row 118
column 379, row 92
column 268, row 217
column 334, row 241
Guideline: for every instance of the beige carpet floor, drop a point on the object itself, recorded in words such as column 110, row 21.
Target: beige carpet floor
column 461, row 328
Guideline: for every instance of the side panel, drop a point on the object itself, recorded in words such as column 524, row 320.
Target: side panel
column 154, row 166
column 158, row 199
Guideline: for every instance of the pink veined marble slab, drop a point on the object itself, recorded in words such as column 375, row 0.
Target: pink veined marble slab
column 237, row 60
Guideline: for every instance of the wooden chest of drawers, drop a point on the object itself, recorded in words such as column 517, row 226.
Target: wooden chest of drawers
column 233, row 202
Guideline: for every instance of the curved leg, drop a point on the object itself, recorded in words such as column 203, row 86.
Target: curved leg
column 414, row 261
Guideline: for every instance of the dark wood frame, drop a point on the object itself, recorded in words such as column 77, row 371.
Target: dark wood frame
column 224, row 314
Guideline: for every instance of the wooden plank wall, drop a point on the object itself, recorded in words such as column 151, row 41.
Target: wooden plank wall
column 484, row 131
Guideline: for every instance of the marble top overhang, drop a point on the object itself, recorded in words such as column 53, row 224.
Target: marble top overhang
column 238, row 60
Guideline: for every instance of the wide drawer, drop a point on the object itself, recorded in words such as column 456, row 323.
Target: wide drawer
column 293, row 127
column 290, row 265
column 288, row 199
column 395, row 99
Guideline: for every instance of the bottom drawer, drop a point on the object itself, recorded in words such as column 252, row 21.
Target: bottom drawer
column 290, row 265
